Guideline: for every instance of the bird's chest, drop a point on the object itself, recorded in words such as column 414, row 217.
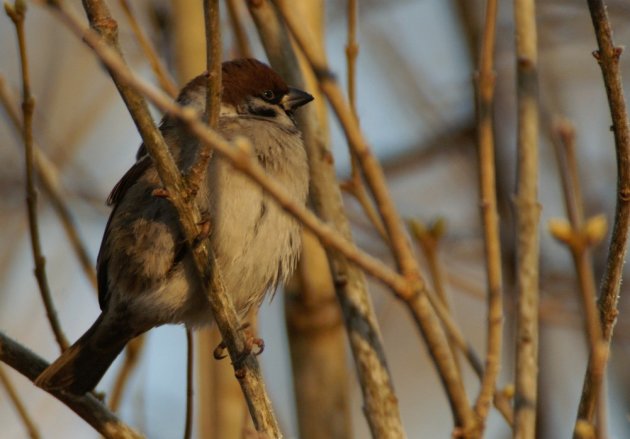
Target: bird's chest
column 255, row 241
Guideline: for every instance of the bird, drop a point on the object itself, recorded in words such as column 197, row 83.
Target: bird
column 145, row 270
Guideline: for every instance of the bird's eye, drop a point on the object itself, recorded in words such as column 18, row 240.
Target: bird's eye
column 268, row 95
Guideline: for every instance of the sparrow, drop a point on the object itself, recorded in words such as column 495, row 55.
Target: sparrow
column 146, row 275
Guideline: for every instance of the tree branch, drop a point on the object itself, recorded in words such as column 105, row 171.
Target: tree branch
column 90, row 409
column 527, row 219
column 608, row 58
column 17, row 15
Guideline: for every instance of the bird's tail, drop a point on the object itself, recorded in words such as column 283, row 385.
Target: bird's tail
column 83, row 364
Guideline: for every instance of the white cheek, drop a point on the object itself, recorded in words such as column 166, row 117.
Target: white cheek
column 227, row 110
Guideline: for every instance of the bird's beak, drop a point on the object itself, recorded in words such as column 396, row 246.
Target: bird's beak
column 295, row 98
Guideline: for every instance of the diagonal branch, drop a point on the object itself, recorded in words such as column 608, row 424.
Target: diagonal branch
column 87, row 406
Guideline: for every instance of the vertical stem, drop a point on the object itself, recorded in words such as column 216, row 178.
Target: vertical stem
column 528, row 212
column 608, row 58
column 485, row 81
column 190, row 349
column 235, row 15
column 17, row 15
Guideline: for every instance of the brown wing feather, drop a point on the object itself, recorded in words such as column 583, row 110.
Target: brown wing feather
column 117, row 194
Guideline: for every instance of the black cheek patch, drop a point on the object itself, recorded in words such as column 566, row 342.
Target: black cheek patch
column 263, row 111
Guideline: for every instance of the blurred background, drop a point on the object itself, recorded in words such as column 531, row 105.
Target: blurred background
column 415, row 102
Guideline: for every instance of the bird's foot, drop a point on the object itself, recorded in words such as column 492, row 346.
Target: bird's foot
column 248, row 348
column 205, row 227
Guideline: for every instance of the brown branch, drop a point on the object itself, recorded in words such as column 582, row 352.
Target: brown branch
column 235, row 15
column 579, row 236
column 608, row 58
column 213, row 96
column 485, row 80
column 221, row 305
column 48, row 177
column 317, row 344
column 30, row 426
column 17, row 15
column 380, row 401
column 160, row 72
column 87, row 406
column 428, row 239
column 414, row 296
column 527, row 219
column 190, row 382
column 354, row 185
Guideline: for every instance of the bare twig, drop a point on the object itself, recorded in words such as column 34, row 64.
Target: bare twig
column 485, row 79
column 17, row 14
column 414, row 296
column 608, row 58
column 527, row 219
column 48, row 177
column 579, row 236
column 213, row 96
column 190, row 381
column 428, row 239
column 235, row 14
column 160, row 72
column 87, row 406
column 220, row 303
column 132, row 355
column 30, row 426
column 380, row 402
column 354, row 185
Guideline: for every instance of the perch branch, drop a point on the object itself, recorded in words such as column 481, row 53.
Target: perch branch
column 90, row 409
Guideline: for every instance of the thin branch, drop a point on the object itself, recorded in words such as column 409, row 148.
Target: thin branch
column 17, row 15
column 415, row 296
column 159, row 70
column 579, row 236
column 132, row 355
column 48, row 177
column 235, row 14
column 225, row 316
column 190, row 382
column 608, row 58
column 485, row 80
column 33, row 432
column 87, row 406
column 527, row 219
column 213, row 95
column 429, row 239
